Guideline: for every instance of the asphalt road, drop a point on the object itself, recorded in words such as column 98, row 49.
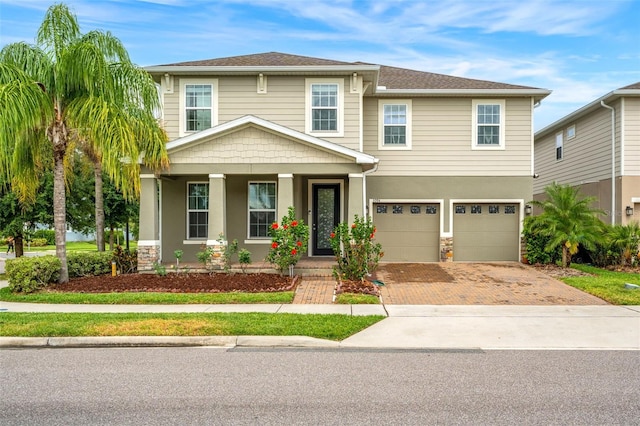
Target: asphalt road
column 163, row 386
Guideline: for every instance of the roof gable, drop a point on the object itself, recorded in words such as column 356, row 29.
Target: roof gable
column 249, row 120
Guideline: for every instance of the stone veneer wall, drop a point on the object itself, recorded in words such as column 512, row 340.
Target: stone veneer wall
column 217, row 257
column 446, row 249
column 147, row 256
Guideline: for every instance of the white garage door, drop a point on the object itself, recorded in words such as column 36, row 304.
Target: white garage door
column 408, row 232
column 486, row 232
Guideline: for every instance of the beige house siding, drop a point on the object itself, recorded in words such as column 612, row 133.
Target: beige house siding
column 442, row 141
column 283, row 103
column 250, row 146
column 632, row 136
column 586, row 157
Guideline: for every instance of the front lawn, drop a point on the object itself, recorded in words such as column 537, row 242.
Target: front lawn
column 607, row 285
column 333, row 326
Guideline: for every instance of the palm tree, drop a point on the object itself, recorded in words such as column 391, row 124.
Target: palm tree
column 568, row 220
column 67, row 90
column 626, row 239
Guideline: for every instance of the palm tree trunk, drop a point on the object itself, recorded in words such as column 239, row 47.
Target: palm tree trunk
column 59, row 217
column 58, row 136
column 566, row 257
column 97, row 172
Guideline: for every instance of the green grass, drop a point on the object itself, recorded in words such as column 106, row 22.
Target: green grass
column 357, row 299
column 332, row 327
column 607, row 285
column 146, row 298
column 72, row 246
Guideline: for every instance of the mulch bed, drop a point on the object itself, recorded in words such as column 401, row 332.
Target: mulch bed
column 358, row 287
column 179, row 283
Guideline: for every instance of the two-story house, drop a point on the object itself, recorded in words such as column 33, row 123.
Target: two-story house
column 443, row 165
column 597, row 149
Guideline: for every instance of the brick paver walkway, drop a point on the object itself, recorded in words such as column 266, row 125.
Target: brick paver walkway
column 315, row 290
column 457, row 284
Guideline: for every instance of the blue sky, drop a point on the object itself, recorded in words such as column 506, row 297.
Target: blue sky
column 580, row 49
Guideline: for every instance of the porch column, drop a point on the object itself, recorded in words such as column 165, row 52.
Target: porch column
column 285, row 195
column 149, row 238
column 217, row 218
column 356, row 196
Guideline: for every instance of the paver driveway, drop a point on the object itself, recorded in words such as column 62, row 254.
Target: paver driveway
column 460, row 283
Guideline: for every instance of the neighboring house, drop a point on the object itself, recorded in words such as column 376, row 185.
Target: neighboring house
column 597, row 149
column 443, row 165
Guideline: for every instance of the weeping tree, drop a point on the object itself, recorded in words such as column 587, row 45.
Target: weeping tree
column 72, row 89
column 568, row 220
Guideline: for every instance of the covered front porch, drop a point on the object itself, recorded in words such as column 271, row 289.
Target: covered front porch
column 233, row 183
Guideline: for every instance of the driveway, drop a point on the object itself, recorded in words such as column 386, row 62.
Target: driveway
column 460, row 283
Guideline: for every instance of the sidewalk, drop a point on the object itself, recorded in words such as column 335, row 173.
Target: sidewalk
column 598, row 327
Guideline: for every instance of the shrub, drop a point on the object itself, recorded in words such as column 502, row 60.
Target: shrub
column 537, row 244
column 288, row 242
column 204, row 256
column 29, row 274
column 244, row 257
column 48, row 234
column 356, row 253
column 39, row 242
column 126, row 260
column 82, row 264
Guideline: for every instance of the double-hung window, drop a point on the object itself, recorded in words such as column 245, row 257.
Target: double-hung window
column 262, row 208
column 197, row 210
column 324, row 107
column 395, row 124
column 559, row 146
column 198, row 105
column 488, row 124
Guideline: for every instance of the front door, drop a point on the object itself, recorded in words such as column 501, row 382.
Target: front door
column 326, row 216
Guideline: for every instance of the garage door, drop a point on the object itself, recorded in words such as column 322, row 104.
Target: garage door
column 408, row 232
column 485, row 232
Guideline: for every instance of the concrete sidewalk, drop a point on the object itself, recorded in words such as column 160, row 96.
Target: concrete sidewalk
column 406, row 327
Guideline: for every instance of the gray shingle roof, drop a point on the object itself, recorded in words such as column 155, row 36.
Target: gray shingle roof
column 391, row 77
column 634, row 86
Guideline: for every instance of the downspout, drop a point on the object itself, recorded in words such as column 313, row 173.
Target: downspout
column 613, row 162
column 364, row 187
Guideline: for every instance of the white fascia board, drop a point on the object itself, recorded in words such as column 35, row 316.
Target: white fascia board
column 199, row 69
column 464, row 92
column 359, row 157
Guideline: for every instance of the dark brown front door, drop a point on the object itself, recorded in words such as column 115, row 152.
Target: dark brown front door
column 326, row 216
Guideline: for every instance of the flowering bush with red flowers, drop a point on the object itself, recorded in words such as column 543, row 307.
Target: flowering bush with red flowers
column 289, row 241
column 356, row 252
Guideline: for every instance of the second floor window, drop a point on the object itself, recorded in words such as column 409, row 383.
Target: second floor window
column 198, row 107
column 395, row 125
column 559, row 146
column 488, row 124
column 324, row 107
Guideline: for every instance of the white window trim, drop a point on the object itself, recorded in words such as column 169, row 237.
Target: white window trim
column 381, row 103
column 560, row 139
column 198, row 239
column 182, row 102
column 249, row 237
column 474, row 124
column 307, row 106
column 571, row 132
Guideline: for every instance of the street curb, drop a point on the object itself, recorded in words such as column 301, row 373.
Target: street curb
column 166, row 341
